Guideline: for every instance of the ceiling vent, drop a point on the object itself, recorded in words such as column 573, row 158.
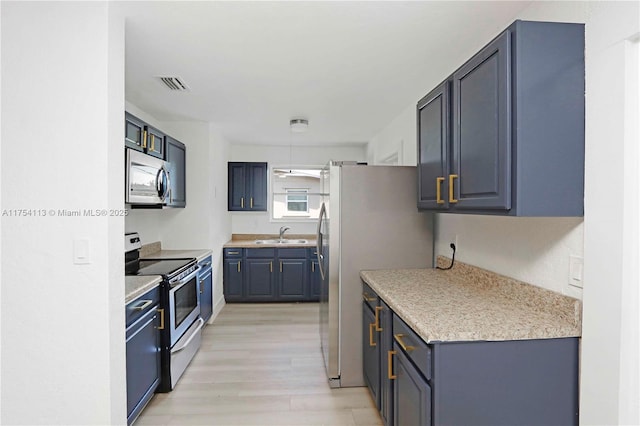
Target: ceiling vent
column 174, row 83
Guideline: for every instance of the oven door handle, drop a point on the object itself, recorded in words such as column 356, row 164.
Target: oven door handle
column 178, row 349
column 185, row 279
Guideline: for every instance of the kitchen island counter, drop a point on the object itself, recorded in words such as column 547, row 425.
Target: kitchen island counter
column 468, row 303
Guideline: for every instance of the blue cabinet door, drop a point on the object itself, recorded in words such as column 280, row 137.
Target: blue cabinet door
column 481, row 168
column 293, row 279
column 370, row 353
column 257, row 186
column 385, row 345
column 176, row 159
column 411, row 393
column 205, row 280
column 143, row 362
column 155, row 142
column 236, row 182
column 260, row 280
column 233, row 278
column 433, row 148
column 134, row 132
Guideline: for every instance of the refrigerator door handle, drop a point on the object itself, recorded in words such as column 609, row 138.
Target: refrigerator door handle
column 319, row 242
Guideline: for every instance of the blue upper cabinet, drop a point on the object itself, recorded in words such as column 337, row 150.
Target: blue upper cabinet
column 515, row 145
column 140, row 136
column 247, row 186
column 433, row 145
column 176, row 165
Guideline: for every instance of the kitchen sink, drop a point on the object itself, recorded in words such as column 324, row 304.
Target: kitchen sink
column 283, row 241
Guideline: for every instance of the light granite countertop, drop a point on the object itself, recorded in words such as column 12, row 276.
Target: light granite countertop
column 136, row 286
column 249, row 241
column 471, row 304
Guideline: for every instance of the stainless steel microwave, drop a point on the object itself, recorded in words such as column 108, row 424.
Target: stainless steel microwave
column 147, row 180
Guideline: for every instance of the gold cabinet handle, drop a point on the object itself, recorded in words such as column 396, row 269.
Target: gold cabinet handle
column 251, row 202
column 242, row 202
column 271, row 266
column 144, row 139
column 313, row 266
column 161, row 311
column 153, row 142
column 439, row 181
column 406, row 348
column 377, row 323
column 232, row 252
column 239, row 265
column 143, row 305
column 371, row 327
column 390, row 374
column 451, row 197
column 368, row 298
column 281, row 266
column 201, row 286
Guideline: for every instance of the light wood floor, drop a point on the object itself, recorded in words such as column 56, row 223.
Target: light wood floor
column 260, row 364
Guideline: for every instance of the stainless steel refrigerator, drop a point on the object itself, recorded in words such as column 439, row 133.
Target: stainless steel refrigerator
column 368, row 220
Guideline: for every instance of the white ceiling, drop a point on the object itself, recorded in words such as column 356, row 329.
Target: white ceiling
column 348, row 67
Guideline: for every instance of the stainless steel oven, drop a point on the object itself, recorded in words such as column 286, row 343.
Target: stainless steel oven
column 181, row 333
column 184, row 304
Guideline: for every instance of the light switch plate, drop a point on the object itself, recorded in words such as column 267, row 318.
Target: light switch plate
column 576, row 267
column 81, row 251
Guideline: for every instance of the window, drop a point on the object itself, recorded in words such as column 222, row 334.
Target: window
column 297, row 200
column 296, row 193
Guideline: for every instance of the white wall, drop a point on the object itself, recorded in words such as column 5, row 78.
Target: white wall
column 536, row 250
column 610, row 353
column 63, row 340
column 260, row 222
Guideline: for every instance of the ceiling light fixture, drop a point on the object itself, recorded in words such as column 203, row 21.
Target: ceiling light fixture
column 298, row 125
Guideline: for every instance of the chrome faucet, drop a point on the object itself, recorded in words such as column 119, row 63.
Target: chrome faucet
column 283, row 229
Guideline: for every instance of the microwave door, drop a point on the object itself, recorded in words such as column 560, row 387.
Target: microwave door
column 147, row 181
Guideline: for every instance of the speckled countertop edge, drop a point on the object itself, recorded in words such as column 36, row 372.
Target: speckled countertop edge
column 135, row 286
column 249, row 241
column 471, row 304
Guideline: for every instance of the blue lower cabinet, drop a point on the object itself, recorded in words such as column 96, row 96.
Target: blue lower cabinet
column 411, row 393
column 205, row 281
column 270, row 275
column 371, row 353
column 503, row 383
column 142, row 353
column 259, row 285
column 293, row 279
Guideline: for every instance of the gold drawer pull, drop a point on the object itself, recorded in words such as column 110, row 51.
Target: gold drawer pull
column 451, row 197
column 239, row 265
column 390, row 374
column 406, row 348
column 368, row 298
column 161, row 319
column 271, row 266
column 232, row 252
column 371, row 327
column 251, row 202
column 242, row 202
column 144, row 139
column 378, row 309
column 439, row 181
column 143, row 305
